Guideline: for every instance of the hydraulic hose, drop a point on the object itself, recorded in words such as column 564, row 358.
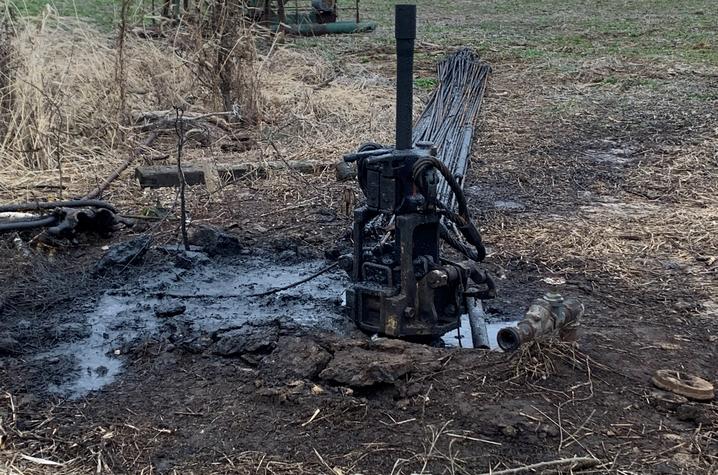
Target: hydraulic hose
column 455, row 243
column 57, row 204
column 12, row 226
column 463, row 219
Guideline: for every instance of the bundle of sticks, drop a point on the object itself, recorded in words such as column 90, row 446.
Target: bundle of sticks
column 450, row 117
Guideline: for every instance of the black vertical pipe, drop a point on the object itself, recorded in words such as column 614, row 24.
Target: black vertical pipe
column 405, row 33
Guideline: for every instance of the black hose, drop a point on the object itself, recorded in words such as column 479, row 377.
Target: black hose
column 56, row 204
column 463, row 220
column 427, row 162
column 13, row 226
column 450, row 239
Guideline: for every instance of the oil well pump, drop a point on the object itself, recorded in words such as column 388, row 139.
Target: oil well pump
column 404, row 286
column 402, row 283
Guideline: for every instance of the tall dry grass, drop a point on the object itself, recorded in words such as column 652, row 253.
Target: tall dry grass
column 64, row 124
column 63, row 98
column 7, row 60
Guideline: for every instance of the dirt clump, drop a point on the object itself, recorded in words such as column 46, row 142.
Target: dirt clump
column 295, row 357
column 124, row 253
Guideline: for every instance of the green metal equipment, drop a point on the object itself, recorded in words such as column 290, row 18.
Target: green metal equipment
column 318, row 18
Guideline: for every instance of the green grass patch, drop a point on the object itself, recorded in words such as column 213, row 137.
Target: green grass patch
column 426, row 83
column 664, row 31
column 531, row 53
column 101, row 13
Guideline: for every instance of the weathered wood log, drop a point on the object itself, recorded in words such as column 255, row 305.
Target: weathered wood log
column 164, row 176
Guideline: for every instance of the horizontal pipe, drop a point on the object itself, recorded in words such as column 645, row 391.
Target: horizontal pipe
column 57, row 204
column 14, row 226
column 318, row 29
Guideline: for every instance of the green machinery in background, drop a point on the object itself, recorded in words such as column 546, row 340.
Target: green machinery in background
column 319, row 17
column 312, row 17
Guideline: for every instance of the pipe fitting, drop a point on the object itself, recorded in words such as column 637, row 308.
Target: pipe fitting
column 546, row 315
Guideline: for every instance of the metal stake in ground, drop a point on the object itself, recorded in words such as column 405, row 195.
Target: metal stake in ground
column 179, row 129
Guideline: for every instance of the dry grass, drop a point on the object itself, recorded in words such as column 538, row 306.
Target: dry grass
column 647, row 222
column 631, row 241
column 65, row 128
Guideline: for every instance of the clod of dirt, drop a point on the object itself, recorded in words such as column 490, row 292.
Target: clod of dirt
column 666, row 400
column 548, row 430
column 357, row 367
column 292, row 251
column 394, row 345
column 71, row 331
column 125, row 253
column 288, row 392
column 9, row 346
column 169, row 309
column 190, row 259
column 698, row 414
column 215, row 242
column 295, row 357
column 246, row 339
column 195, row 345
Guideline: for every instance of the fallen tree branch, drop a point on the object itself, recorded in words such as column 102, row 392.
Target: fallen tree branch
column 575, row 462
column 44, row 205
column 289, row 167
column 164, row 120
column 179, row 129
column 165, row 176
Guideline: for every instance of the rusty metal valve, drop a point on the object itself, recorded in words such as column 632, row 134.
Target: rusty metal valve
column 546, row 315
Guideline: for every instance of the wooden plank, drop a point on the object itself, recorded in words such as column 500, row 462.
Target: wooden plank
column 165, row 176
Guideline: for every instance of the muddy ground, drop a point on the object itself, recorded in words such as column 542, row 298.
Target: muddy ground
column 593, row 166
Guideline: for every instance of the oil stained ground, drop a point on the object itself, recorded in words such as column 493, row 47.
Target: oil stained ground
column 215, row 295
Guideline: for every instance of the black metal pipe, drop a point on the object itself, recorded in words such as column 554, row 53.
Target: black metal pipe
column 405, row 33
column 11, row 226
column 57, row 204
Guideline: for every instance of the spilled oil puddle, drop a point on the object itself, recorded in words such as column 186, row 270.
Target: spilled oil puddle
column 168, row 301
column 214, row 296
column 96, row 367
